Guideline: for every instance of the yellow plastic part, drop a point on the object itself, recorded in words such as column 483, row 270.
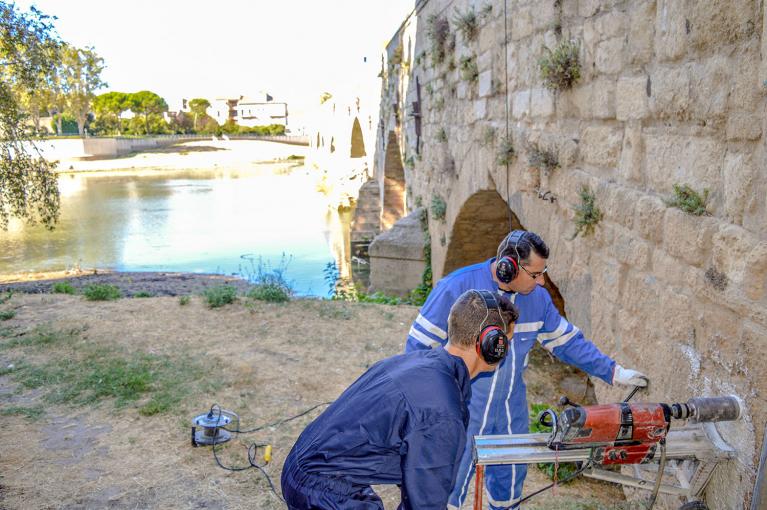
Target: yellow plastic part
column 268, row 453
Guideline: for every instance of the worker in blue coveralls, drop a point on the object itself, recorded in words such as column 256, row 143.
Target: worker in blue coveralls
column 499, row 402
column 403, row 421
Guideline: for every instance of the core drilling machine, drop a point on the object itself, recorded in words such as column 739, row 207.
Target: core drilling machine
column 636, row 434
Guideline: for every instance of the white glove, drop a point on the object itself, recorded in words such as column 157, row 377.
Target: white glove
column 629, row 377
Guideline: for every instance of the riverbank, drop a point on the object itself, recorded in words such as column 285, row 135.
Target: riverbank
column 96, row 397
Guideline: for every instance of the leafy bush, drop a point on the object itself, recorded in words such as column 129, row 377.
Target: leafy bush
column 438, row 207
column 143, row 294
column 99, row 292
column 442, row 135
column 269, row 284
column 561, row 69
column 466, row 23
column 505, row 153
column 689, row 200
column 541, row 158
column 6, row 315
column 587, row 214
column 183, row 300
column 469, row 70
column 63, row 288
column 219, row 295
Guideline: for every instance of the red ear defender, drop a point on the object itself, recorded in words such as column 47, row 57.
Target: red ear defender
column 492, row 345
column 506, row 269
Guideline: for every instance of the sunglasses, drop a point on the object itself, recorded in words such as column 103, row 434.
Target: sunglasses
column 536, row 274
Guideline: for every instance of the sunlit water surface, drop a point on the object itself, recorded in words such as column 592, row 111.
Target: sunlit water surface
column 205, row 221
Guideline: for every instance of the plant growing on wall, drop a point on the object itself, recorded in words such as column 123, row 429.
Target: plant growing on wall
column 442, row 135
column 438, row 33
column 396, row 57
column 488, row 135
column 505, row 152
column 410, row 162
column 438, row 207
column 466, row 23
column 587, row 214
column 689, row 200
column 542, row 158
column 560, row 68
column 419, row 294
column 469, row 70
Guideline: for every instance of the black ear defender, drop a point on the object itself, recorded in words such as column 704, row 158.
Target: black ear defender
column 492, row 342
column 506, row 267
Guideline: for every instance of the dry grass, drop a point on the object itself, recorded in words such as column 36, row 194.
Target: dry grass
column 265, row 361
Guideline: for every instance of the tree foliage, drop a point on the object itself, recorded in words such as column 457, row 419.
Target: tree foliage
column 146, row 103
column 29, row 51
column 80, row 77
column 108, row 107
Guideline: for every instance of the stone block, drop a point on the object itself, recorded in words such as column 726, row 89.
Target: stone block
column 641, row 33
column 485, row 86
column 631, row 98
column 619, row 203
column 613, row 23
column 670, row 92
column 541, row 103
column 688, row 237
column 588, row 8
column 545, row 15
column 712, row 25
column 747, row 88
column 480, row 109
column 710, row 84
column 670, row 29
column 649, row 218
column 743, row 126
column 520, row 102
column 462, row 90
column 632, row 154
column 579, row 100
column 521, row 24
column 609, row 55
column 738, row 175
column 669, row 269
column 396, row 257
column 630, row 249
column 603, row 98
column 756, row 264
column 601, row 145
column 675, row 159
column 731, row 247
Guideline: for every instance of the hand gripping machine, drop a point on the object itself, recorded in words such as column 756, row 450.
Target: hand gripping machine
column 636, row 434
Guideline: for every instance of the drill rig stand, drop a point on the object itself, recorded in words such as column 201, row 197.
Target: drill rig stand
column 624, row 434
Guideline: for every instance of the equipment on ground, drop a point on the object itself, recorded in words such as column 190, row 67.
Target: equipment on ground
column 637, row 434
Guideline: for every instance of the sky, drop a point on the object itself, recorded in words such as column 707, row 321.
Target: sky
column 293, row 49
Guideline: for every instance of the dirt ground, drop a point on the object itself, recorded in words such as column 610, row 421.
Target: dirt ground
column 265, row 361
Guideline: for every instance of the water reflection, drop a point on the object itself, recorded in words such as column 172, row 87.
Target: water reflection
column 197, row 221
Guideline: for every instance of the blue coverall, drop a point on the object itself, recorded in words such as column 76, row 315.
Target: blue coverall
column 499, row 401
column 402, row 422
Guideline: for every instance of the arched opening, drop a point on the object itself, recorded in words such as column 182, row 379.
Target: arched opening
column 481, row 225
column 393, row 185
column 317, row 145
column 358, row 143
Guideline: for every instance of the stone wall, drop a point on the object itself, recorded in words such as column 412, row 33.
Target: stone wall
column 672, row 92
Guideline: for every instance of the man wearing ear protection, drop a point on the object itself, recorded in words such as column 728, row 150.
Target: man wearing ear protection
column 403, row 421
column 499, row 402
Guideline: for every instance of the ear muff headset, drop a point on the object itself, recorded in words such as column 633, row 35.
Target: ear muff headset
column 492, row 342
column 506, row 267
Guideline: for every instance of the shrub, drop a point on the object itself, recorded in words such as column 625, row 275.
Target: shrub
column 183, row 300
column 542, row 158
column 98, row 292
column 466, row 23
column 442, row 135
column 469, row 70
column 270, row 292
column 6, row 315
column 219, row 295
column 560, row 68
column 689, row 200
column 143, row 294
column 438, row 33
column 587, row 214
column 505, row 153
column 63, row 288
column 438, row 207
column 269, row 284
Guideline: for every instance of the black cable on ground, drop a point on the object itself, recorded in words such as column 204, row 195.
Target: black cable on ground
column 587, row 465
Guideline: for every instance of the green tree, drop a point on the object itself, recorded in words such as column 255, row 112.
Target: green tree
column 29, row 49
column 109, row 106
column 147, row 103
column 199, row 106
column 81, row 77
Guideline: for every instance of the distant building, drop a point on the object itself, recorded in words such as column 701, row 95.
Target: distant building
column 259, row 110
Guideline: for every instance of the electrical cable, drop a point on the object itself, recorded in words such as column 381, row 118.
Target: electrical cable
column 587, row 465
column 253, row 448
column 659, row 478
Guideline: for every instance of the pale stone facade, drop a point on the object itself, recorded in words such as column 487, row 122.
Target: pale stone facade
column 671, row 92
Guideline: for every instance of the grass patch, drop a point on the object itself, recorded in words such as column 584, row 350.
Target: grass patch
column 561, row 68
column 27, row 412
column 689, row 200
column 99, row 292
column 184, row 300
column 42, row 336
column 220, row 295
column 587, row 214
column 270, row 292
column 63, row 288
column 143, row 294
column 269, row 284
column 6, row 315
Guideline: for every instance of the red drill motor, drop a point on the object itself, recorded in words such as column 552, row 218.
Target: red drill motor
column 629, row 433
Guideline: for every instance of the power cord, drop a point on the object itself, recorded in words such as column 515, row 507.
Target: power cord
column 253, row 448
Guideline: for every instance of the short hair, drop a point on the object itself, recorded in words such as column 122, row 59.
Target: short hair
column 469, row 315
column 527, row 241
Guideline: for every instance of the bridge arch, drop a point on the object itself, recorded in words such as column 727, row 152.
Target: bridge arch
column 481, row 225
column 393, row 204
